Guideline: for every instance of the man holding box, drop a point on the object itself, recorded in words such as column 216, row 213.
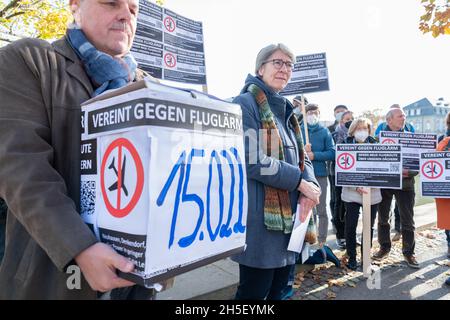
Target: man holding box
column 41, row 87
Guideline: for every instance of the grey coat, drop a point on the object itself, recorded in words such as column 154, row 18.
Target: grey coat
column 41, row 88
column 268, row 249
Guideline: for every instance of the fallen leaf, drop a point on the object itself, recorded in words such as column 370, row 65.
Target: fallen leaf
column 351, row 284
column 335, row 282
column 331, row 295
column 442, row 263
column 420, row 276
column 296, row 286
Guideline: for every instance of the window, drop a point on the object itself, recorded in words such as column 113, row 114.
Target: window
column 418, row 112
column 412, row 112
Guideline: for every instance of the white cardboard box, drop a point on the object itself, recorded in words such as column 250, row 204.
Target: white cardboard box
column 163, row 177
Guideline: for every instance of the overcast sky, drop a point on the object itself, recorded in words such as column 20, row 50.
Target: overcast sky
column 375, row 53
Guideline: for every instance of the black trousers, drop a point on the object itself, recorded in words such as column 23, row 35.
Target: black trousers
column 351, row 223
column 405, row 200
column 338, row 211
column 260, row 284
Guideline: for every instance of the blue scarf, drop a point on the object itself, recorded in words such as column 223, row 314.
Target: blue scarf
column 104, row 70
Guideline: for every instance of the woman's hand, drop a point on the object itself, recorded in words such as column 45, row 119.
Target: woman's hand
column 361, row 190
column 310, row 191
column 308, row 147
column 306, row 205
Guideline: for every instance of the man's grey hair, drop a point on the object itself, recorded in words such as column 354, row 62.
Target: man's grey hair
column 391, row 112
column 266, row 52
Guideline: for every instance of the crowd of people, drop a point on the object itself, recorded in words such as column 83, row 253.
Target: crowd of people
column 42, row 86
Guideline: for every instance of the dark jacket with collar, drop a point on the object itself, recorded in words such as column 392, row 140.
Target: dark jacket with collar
column 268, row 249
column 41, row 87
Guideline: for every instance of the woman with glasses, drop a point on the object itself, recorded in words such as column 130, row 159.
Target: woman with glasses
column 279, row 176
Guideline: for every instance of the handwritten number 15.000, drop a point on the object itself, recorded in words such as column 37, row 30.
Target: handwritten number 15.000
column 183, row 167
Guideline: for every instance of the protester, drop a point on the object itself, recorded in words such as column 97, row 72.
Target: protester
column 339, row 111
column 275, row 176
column 319, row 149
column 442, row 204
column 408, row 128
column 359, row 132
column 339, row 136
column 42, row 86
column 396, row 120
column 337, row 222
column 297, row 103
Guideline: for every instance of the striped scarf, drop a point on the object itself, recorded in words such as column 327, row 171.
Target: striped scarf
column 277, row 206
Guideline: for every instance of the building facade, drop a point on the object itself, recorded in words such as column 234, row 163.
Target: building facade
column 427, row 117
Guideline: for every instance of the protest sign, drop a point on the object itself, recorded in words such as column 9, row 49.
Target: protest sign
column 310, row 74
column 169, row 46
column 412, row 145
column 435, row 174
column 369, row 165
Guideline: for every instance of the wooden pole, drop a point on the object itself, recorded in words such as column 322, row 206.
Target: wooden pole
column 366, row 233
column 305, row 123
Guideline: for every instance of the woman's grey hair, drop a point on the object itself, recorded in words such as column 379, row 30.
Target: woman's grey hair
column 357, row 122
column 266, row 52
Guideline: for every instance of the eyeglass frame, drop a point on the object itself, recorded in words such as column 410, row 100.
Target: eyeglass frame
column 284, row 63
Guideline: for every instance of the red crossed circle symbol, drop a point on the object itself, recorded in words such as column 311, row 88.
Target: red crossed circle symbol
column 345, row 161
column 116, row 210
column 432, row 169
column 170, row 60
column 169, row 23
column 388, row 141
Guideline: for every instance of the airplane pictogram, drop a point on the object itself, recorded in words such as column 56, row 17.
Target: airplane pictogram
column 122, row 185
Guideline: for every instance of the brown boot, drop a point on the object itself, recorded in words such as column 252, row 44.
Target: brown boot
column 411, row 261
column 381, row 254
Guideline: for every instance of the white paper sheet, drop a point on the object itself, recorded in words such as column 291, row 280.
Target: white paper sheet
column 298, row 232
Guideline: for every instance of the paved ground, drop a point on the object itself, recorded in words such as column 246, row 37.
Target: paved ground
column 219, row 280
column 394, row 280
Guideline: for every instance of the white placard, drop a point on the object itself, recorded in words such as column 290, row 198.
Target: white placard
column 369, row 165
column 413, row 144
column 435, row 174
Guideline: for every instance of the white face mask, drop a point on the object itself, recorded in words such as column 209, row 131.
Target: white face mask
column 338, row 116
column 312, row 119
column 361, row 135
column 297, row 111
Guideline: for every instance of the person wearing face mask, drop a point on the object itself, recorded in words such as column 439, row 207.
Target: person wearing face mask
column 296, row 102
column 339, row 111
column 359, row 132
column 319, row 150
column 339, row 136
column 337, row 222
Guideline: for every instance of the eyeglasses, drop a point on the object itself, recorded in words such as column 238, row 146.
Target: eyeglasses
column 278, row 64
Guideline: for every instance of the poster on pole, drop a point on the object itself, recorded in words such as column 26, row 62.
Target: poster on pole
column 163, row 178
column 310, row 74
column 413, row 144
column 435, row 174
column 369, row 165
column 169, row 46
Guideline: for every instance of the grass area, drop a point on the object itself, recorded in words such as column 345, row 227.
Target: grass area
column 419, row 199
